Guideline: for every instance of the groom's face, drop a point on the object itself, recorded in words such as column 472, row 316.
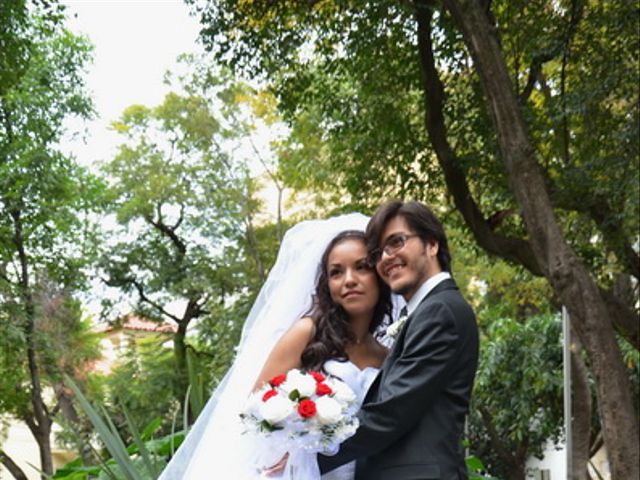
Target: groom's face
column 405, row 265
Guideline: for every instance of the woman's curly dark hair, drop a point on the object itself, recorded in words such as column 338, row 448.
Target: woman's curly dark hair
column 333, row 329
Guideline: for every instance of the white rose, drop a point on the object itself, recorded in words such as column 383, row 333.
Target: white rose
column 342, row 392
column 252, row 405
column 328, row 410
column 296, row 380
column 276, row 409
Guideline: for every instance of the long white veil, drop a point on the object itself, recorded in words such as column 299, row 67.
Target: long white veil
column 215, row 446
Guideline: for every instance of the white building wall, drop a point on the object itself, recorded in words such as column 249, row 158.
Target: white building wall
column 554, row 464
column 552, row 467
column 23, row 450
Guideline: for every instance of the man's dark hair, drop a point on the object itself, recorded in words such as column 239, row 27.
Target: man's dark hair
column 420, row 219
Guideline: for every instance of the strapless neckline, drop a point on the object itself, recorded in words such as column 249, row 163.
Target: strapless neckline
column 354, row 365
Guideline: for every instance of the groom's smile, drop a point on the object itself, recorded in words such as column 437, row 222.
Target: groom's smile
column 406, row 261
column 393, row 268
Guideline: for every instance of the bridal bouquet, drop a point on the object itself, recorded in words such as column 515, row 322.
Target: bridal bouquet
column 303, row 410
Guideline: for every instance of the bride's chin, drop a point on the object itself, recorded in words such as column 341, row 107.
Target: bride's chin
column 359, row 312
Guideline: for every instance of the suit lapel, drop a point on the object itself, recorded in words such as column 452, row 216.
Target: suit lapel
column 447, row 284
column 398, row 344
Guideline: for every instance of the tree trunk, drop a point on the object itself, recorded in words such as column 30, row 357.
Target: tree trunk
column 10, row 465
column 40, row 425
column 581, row 422
column 69, row 412
column 568, row 276
column 180, row 353
column 514, row 462
column 43, row 437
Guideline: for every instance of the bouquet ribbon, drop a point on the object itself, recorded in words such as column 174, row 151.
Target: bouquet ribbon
column 303, row 464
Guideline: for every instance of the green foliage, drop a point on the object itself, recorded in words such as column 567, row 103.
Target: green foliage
column 65, row 339
column 142, row 382
column 143, row 459
column 13, row 366
column 517, row 401
column 41, row 191
column 176, row 185
column 17, row 39
column 476, row 469
column 185, row 206
column 47, row 233
column 347, row 78
column 631, row 358
column 218, row 335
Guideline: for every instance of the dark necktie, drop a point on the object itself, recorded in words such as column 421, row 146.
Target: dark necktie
column 403, row 312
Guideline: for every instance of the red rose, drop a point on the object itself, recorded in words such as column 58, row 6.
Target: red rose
column 307, row 408
column 323, row 389
column 268, row 394
column 318, row 376
column 278, row 380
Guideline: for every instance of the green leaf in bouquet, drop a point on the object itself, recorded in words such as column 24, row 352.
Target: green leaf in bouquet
column 295, row 395
column 269, row 427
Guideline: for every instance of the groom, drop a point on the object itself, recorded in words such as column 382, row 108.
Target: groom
column 412, row 419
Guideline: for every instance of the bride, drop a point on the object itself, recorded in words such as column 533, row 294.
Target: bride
column 296, row 322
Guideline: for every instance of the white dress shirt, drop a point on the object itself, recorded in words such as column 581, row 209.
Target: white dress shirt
column 424, row 289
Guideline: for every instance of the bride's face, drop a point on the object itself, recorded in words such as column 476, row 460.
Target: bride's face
column 352, row 282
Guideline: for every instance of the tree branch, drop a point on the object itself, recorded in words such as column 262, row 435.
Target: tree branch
column 192, row 310
column 534, row 72
column 509, row 248
column 55, row 409
column 572, row 281
column 577, row 9
column 499, row 446
column 625, row 320
column 596, row 443
column 143, row 298
column 204, row 299
column 13, row 468
column 599, row 210
column 27, row 418
column 4, row 277
column 252, row 246
column 582, row 410
column 180, row 218
column 167, row 231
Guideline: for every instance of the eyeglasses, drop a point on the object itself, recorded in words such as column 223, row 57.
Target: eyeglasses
column 393, row 244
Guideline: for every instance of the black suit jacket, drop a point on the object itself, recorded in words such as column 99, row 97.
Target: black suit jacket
column 412, row 419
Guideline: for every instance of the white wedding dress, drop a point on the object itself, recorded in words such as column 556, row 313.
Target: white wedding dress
column 359, row 381
column 216, row 447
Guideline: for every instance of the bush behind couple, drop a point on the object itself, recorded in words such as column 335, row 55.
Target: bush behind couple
column 414, row 396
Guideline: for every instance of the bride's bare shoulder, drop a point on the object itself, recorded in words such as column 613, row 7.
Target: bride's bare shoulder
column 304, row 327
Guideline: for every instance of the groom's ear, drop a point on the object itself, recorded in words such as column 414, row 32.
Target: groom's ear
column 431, row 248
